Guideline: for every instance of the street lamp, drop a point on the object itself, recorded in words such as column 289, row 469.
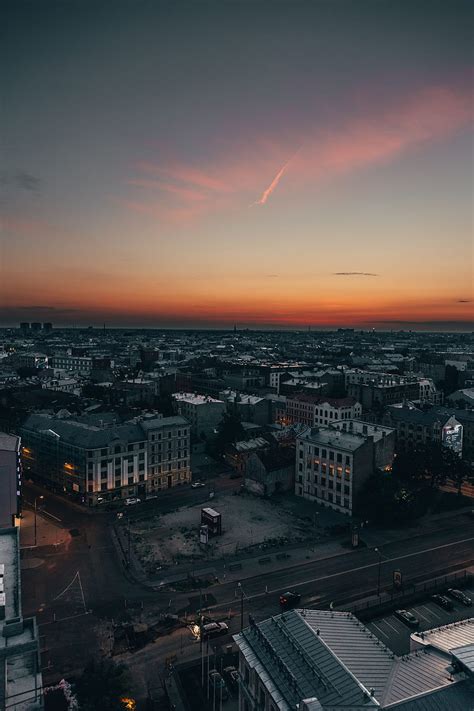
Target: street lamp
column 239, row 586
column 379, row 570
column 36, row 500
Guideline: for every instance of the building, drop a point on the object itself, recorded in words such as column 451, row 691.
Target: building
column 25, row 328
column 244, row 378
column 47, row 327
column 98, row 460
column 202, row 411
column 250, row 408
column 464, row 397
column 237, row 454
column 72, row 364
column 35, row 327
column 416, row 428
column 333, row 463
column 21, row 681
column 378, row 390
column 270, row 471
column 33, row 360
column 316, row 660
column 313, row 410
column 10, row 479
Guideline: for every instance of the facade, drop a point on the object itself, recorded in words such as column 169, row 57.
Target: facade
column 333, row 463
column 377, row 390
column 417, row 428
column 95, row 462
column 271, row 471
column 71, row 363
column 250, row 408
column 237, row 454
column 10, row 479
column 21, row 681
column 313, row 410
column 318, row 660
column 202, row 411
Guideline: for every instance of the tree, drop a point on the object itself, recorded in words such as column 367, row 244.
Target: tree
column 103, row 685
column 230, row 430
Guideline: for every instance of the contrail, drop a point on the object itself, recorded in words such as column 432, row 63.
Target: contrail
column 266, row 193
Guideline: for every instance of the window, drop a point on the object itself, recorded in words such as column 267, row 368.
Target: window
column 324, row 453
column 130, row 480
column 339, row 457
column 331, row 456
column 103, row 452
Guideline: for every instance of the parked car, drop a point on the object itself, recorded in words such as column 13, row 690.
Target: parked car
column 218, row 683
column 131, row 501
column 407, row 617
column 442, row 601
column 197, row 484
column 214, row 629
column 460, row 596
column 289, row 599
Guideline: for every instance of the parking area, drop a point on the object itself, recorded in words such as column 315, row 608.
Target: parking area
column 395, row 634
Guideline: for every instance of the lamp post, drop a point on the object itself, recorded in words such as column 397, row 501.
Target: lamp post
column 35, row 508
column 239, row 585
column 379, row 570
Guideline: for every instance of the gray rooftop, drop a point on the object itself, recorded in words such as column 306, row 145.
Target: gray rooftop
column 332, row 656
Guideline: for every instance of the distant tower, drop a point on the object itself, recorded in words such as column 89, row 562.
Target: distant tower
column 235, row 328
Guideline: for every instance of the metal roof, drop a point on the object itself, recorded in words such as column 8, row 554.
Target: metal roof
column 465, row 655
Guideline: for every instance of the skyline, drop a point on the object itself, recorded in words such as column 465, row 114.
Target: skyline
column 177, row 166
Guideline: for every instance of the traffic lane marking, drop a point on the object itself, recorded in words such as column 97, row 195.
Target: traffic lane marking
column 359, row 568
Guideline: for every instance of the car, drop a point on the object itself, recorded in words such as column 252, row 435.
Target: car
column 197, row 484
column 460, row 596
column 214, row 629
column 218, row 683
column 131, row 501
column 442, row 601
column 100, row 500
column 407, row 617
column 119, row 515
column 289, row 599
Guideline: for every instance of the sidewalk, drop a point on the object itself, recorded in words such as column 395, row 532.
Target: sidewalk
column 48, row 533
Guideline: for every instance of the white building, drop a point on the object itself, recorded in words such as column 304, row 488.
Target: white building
column 333, row 463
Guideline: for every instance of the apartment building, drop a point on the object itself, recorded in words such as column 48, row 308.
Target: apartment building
column 378, row 390
column 72, row 364
column 417, row 427
column 101, row 461
column 203, row 412
column 333, row 463
column 10, row 479
column 313, row 410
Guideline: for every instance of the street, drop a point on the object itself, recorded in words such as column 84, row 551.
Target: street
column 76, row 586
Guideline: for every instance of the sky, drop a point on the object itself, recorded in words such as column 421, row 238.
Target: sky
column 267, row 164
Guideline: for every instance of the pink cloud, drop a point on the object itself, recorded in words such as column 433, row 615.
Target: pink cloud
column 231, row 180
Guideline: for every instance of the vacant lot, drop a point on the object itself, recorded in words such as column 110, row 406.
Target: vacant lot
column 246, row 522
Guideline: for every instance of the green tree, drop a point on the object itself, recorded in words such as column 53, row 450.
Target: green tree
column 102, row 685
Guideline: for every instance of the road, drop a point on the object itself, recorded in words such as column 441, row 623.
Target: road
column 75, row 587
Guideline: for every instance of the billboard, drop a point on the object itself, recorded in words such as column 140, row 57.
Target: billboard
column 451, row 437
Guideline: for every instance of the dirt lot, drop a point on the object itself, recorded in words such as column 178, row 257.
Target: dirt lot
column 246, row 522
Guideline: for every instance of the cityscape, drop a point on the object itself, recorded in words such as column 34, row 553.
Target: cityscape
column 237, row 356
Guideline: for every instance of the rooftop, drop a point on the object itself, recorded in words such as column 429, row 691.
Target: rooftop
column 332, row 656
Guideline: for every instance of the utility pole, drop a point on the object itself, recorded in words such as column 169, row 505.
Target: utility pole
column 35, row 527
column 239, row 585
